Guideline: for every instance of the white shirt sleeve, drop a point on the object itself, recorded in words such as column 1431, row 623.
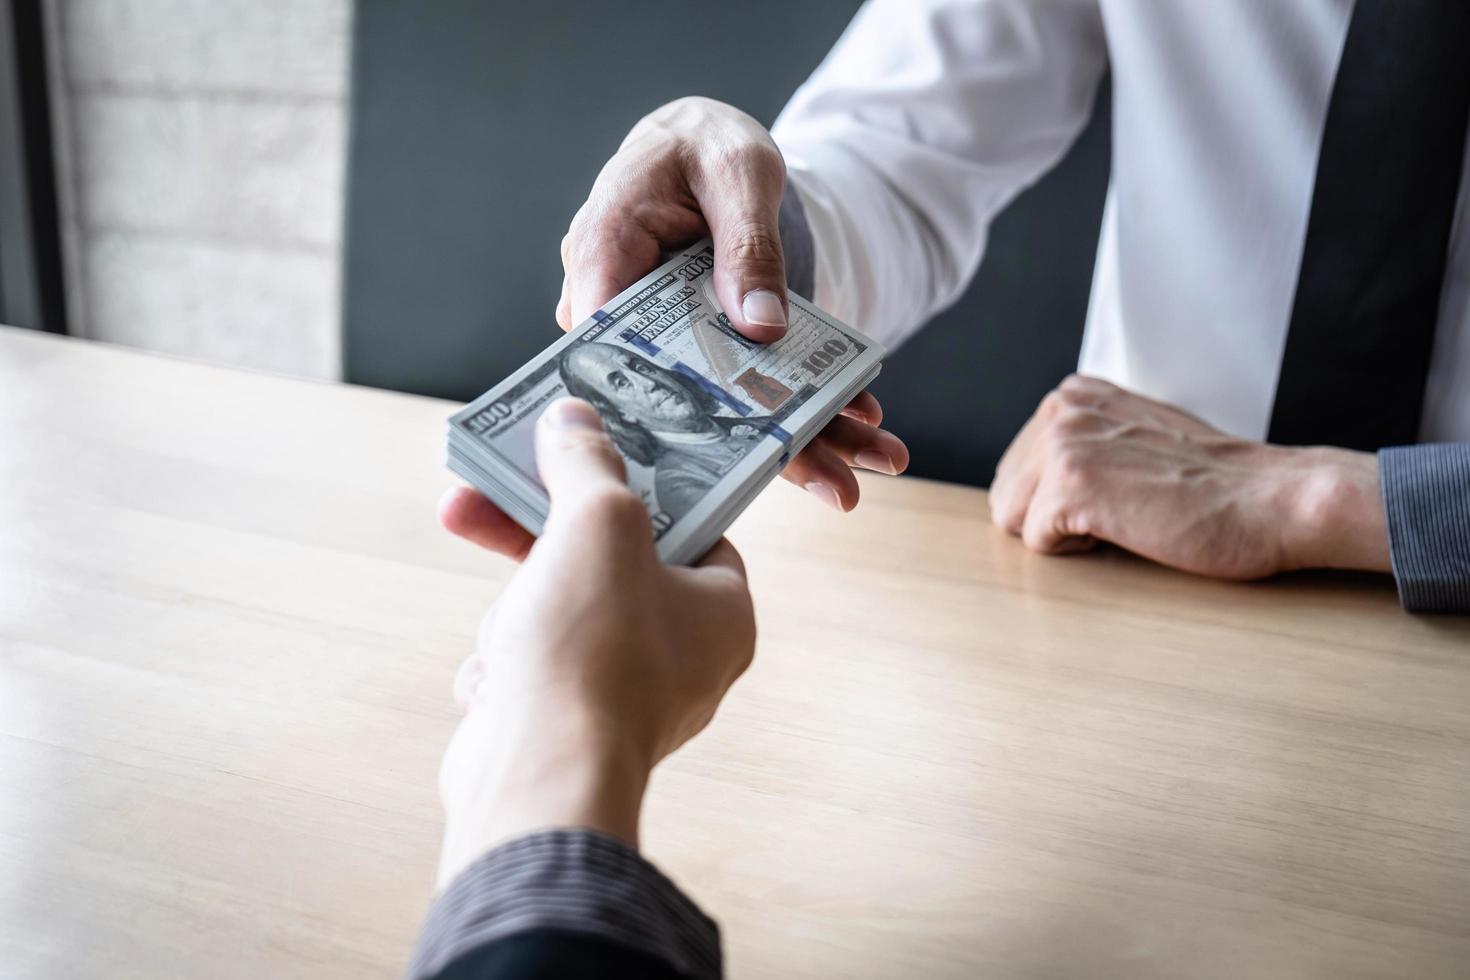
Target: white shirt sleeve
column 923, row 122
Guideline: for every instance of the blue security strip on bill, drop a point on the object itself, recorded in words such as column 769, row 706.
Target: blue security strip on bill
column 704, row 417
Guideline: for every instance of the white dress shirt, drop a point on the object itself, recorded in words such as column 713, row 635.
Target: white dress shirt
column 929, row 116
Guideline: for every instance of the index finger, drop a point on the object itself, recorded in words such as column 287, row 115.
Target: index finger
column 464, row 512
column 601, row 259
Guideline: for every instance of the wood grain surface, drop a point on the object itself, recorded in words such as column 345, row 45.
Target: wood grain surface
column 229, row 622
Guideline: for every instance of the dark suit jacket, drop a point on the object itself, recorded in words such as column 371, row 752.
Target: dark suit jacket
column 565, row 904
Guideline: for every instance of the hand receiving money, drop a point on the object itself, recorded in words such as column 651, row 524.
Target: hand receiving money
column 596, row 661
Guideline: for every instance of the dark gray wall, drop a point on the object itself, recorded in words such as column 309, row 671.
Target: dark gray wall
column 477, row 129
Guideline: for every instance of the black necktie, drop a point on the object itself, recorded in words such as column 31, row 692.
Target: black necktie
column 1367, row 299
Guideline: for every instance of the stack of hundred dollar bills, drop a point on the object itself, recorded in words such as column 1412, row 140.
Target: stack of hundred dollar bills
column 704, row 417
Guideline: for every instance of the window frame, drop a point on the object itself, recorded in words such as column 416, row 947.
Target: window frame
column 32, row 285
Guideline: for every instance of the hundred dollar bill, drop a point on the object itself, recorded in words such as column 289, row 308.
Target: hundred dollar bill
column 703, row 416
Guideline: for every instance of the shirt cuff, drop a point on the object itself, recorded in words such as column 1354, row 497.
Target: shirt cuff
column 797, row 244
column 1426, row 498
column 580, row 881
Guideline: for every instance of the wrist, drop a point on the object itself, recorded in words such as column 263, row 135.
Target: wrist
column 1335, row 511
column 506, row 776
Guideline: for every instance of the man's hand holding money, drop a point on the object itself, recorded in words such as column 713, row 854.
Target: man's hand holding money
column 698, row 168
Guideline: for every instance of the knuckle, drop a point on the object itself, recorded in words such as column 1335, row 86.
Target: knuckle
column 594, row 442
column 997, row 507
column 1053, row 403
column 697, row 103
column 683, row 122
column 1007, row 518
column 1074, row 383
column 1033, row 535
column 686, row 104
column 581, row 238
column 747, row 162
column 1071, row 468
column 1002, row 508
column 1084, row 384
column 754, row 245
column 1047, row 536
column 1086, row 392
column 1012, row 520
column 1072, row 420
column 616, row 508
column 762, row 161
column 1071, row 396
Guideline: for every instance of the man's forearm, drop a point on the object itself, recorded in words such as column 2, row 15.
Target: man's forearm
column 1336, row 518
column 540, row 869
column 1407, row 511
column 506, row 778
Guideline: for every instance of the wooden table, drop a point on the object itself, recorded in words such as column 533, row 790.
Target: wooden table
column 228, row 624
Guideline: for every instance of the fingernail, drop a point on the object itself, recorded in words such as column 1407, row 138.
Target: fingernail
column 871, row 459
column 571, row 413
column 824, row 493
column 763, row 308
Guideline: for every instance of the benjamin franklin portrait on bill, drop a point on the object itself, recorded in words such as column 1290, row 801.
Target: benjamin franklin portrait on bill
column 660, row 418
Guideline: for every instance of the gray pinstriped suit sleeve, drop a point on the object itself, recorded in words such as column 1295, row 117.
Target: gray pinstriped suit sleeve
column 1426, row 498
column 575, row 880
